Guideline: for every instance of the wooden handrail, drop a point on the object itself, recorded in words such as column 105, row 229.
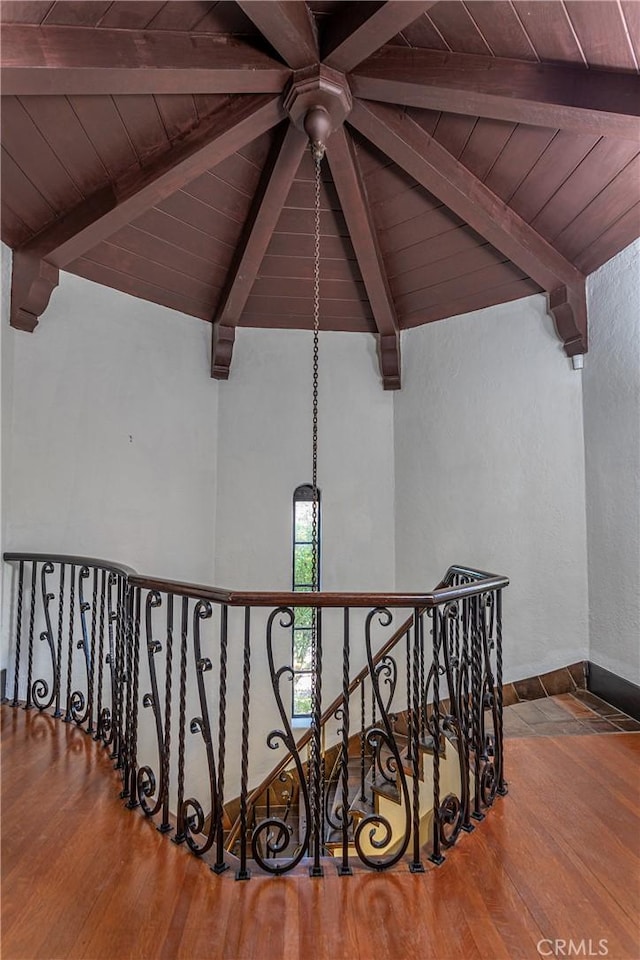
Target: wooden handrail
column 443, row 593
column 119, row 568
column 239, row 598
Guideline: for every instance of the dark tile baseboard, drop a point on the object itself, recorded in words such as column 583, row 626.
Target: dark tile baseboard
column 565, row 680
column 617, row 691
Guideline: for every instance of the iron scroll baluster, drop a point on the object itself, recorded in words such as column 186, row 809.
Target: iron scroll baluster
column 274, row 829
column 42, row 697
column 146, row 779
column 375, row 822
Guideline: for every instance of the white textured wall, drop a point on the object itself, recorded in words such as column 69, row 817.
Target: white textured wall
column 265, row 452
column 611, row 382
column 490, row 473
column 113, row 434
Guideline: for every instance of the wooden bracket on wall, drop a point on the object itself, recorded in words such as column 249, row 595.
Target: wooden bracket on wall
column 390, row 363
column 568, row 306
column 222, row 340
column 32, row 283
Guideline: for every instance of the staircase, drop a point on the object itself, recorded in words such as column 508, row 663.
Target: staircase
column 188, row 689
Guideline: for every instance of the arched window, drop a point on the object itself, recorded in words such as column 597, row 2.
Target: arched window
column 303, row 580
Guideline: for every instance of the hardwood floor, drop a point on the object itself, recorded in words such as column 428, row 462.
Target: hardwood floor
column 558, row 859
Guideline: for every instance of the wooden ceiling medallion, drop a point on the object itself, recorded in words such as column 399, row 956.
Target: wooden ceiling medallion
column 474, row 156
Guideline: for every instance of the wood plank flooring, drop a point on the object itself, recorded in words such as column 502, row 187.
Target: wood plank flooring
column 558, row 859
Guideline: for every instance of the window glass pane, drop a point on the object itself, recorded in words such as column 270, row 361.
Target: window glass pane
column 302, row 649
column 303, row 520
column 303, row 582
column 303, row 617
column 302, row 694
column 303, row 565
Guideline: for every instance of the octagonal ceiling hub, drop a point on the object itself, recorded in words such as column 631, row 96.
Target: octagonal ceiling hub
column 318, row 100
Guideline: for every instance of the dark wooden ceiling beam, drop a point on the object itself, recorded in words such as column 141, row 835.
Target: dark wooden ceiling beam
column 354, row 33
column 289, row 27
column 271, row 196
column 83, row 60
column 397, row 135
column 355, row 206
column 542, row 94
column 236, row 124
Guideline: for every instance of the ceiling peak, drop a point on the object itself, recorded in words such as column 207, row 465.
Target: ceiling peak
column 318, row 100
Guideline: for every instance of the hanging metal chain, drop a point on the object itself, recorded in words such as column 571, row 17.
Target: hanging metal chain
column 315, row 787
column 316, row 327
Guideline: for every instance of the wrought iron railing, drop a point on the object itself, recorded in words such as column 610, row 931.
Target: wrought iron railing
column 188, row 687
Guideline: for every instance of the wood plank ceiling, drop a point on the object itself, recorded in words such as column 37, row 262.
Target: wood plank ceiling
column 492, row 151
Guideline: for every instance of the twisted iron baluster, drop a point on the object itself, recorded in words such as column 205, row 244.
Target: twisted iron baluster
column 344, row 869
column 180, row 835
column 421, row 704
column 436, row 855
column 410, row 717
column 476, row 703
column 103, row 588
column 58, row 681
column 416, row 865
column 107, row 714
column 121, row 675
column 165, row 826
column 16, row 671
column 133, row 781
column 32, row 616
column 243, row 873
column 465, row 713
column 126, row 679
column 220, row 866
column 72, row 599
column 502, row 786
column 92, row 648
column 363, row 720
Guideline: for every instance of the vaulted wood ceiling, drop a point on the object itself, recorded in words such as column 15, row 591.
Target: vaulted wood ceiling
column 492, row 150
